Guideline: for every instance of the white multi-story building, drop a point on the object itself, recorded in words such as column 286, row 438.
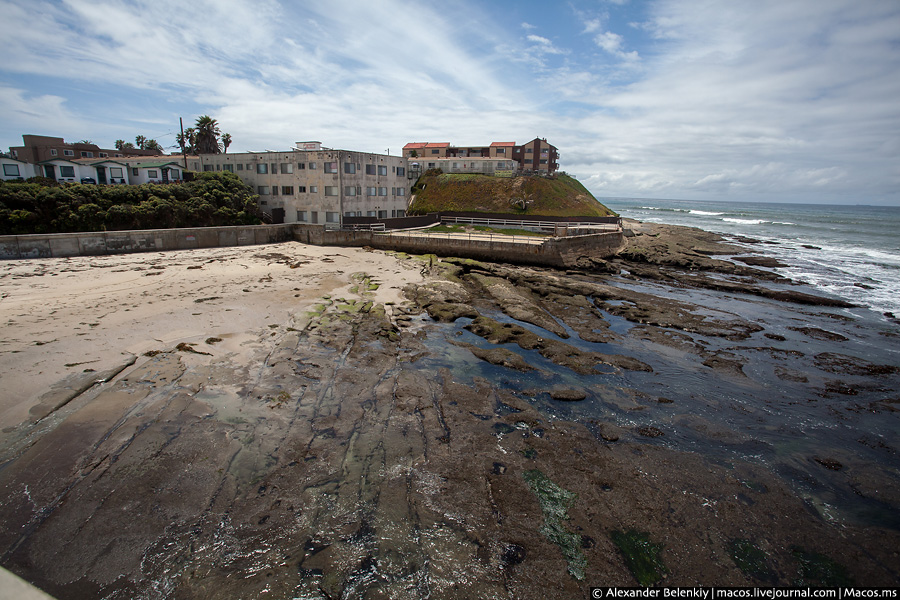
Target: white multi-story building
column 311, row 184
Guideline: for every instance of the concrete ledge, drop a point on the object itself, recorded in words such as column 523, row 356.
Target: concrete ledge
column 148, row 240
column 13, row 587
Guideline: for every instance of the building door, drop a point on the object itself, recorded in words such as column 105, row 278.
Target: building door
column 50, row 171
column 277, row 216
column 101, row 175
column 315, row 217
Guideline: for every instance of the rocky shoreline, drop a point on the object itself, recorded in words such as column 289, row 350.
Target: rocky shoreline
column 503, row 432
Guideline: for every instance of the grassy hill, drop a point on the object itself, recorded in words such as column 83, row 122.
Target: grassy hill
column 563, row 196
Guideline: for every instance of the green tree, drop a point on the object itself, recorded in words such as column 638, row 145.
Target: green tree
column 188, row 141
column 153, row 145
column 226, row 141
column 207, row 135
column 140, row 141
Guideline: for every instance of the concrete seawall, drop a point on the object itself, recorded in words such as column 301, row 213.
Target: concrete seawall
column 553, row 252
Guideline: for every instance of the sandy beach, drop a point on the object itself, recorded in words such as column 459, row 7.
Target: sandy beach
column 297, row 421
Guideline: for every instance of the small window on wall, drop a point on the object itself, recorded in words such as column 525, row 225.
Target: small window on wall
column 207, row 167
column 382, row 169
column 104, row 155
column 287, row 168
column 152, row 173
column 249, row 167
column 229, row 168
column 371, row 191
column 263, row 190
column 401, row 171
column 53, row 152
column 349, row 190
column 301, row 166
column 287, row 190
column 274, row 170
column 262, row 169
column 301, row 189
column 67, row 171
column 370, row 169
column 274, row 190
column 135, row 171
column 301, row 216
column 331, row 167
column 350, row 168
column 11, row 170
column 332, row 217
column 312, row 165
column 218, row 167
column 313, row 189
column 382, row 214
column 382, row 191
column 331, row 190
column 240, row 166
column 68, row 152
column 116, row 172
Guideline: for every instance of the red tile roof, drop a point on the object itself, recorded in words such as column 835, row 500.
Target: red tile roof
column 494, row 144
column 414, row 145
column 438, row 145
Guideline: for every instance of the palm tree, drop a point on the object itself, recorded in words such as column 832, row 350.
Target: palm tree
column 188, row 141
column 207, row 135
column 226, row 141
column 140, row 141
column 120, row 144
column 153, row 145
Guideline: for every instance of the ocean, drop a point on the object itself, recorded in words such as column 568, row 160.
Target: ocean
column 852, row 252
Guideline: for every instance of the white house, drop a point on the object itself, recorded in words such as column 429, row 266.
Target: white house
column 11, row 169
column 153, row 171
column 106, row 171
column 65, row 171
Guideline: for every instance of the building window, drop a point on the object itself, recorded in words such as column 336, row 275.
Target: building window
column 87, row 154
column 11, row 170
column 382, row 169
column 262, row 168
column 301, row 216
column 350, row 190
column 401, row 171
column 401, row 213
column 331, row 167
column 543, row 161
column 382, row 214
column 67, row 171
column 263, row 190
column 249, row 167
column 207, row 168
column 274, row 190
column 332, row 217
column 274, row 169
column 116, row 172
column 53, row 152
column 312, row 165
column 229, row 168
column 287, row 190
column 313, row 189
column 350, row 168
column 371, row 191
column 435, row 151
column 135, row 172
column 430, row 165
column 240, row 166
column 545, row 151
column 287, row 168
column 104, row 155
column 152, row 174
column 218, row 167
column 401, row 191
column 529, row 150
column 370, row 213
column 455, row 165
column 382, row 191
column 301, row 189
column 68, row 153
column 331, row 190
column 370, row 169
column 301, row 166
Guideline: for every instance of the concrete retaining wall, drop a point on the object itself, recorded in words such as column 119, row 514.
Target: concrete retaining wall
column 149, row 240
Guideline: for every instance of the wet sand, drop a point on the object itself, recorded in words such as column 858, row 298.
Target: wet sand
column 280, row 421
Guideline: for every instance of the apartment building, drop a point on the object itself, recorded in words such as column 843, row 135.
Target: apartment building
column 39, row 148
column 482, row 166
column 536, row 156
column 312, row 184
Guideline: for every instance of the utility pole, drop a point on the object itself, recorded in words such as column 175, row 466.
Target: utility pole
column 183, row 153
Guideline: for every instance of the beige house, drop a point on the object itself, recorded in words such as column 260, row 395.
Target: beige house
column 311, row 184
column 537, row 156
column 483, row 166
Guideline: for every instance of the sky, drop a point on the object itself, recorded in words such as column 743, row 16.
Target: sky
column 769, row 100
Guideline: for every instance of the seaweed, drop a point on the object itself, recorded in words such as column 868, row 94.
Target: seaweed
column 641, row 556
column 820, row 569
column 750, row 560
column 555, row 503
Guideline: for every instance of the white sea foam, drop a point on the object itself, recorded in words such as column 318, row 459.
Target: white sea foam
column 745, row 221
column 705, row 213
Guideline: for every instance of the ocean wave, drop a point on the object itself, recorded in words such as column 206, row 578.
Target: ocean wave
column 745, row 221
column 682, row 210
column 705, row 213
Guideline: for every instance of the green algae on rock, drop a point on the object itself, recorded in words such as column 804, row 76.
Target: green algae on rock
column 555, row 503
column 641, row 556
column 817, row 568
column 750, row 560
